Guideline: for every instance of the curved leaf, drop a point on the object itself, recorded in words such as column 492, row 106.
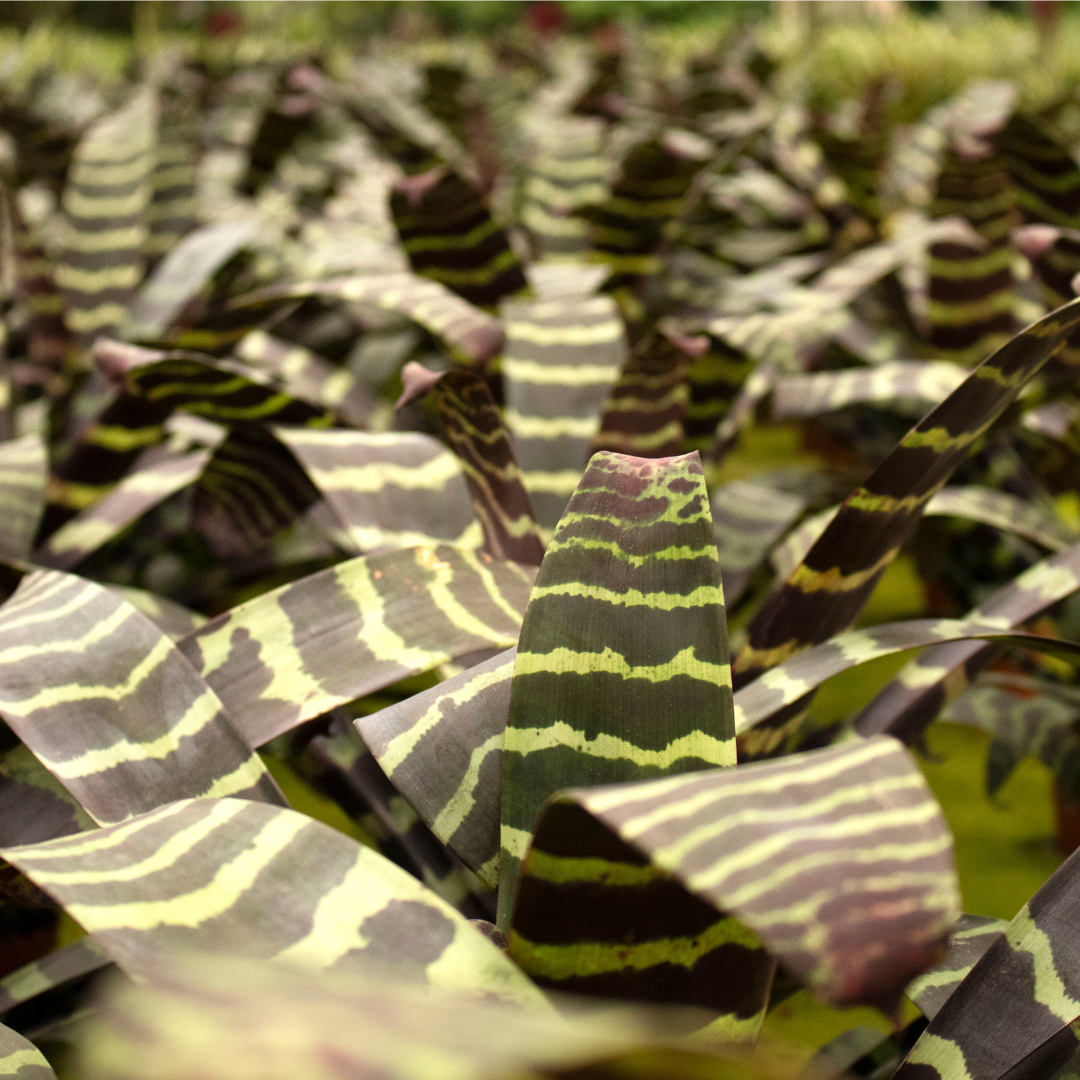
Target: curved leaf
column 54, row 970
column 828, row 589
column 20, row 1059
column 296, row 652
column 388, row 489
column 473, row 334
column 838, row 861
column 110, row 707
column 910, row 702
column 477, row 435
column 227, row 875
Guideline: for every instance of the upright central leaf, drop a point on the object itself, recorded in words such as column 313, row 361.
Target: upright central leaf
column 622, row 668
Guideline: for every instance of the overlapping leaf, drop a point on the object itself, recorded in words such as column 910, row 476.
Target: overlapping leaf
column 298, row 651
column 227, row 875
column 108, row 704
column 20, row 1059
column 828, row 589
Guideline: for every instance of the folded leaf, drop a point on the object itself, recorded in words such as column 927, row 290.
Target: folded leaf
column 828, row 589
column 298, row 651
column 838, row 861
column 107, row 703
column 227, row 875
column 477, row 435
column 622, row 668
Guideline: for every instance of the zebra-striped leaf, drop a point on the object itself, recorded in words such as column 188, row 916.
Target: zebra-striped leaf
column 973, row 935
column 238, row 877
column 468, row 332
column 24, row 470
column 828, row 589
column 838, row 861
column 105, row 203
column 303, row 374
column 298, row 651
column 141, row 490
column 643, row 414
column 920, row 384
column 442, row 749
column 622, row 668
column 476, row 432
column 109, row 705
column 769, row 696
column 561, row 358
column 388, row 489
column 451, row 238
column 906, row 705
column 20, row 1059
column 1011, row 1014
column 56, row 969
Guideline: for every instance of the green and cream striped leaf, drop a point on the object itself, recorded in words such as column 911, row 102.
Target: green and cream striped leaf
column 34, row 805
column 905, row 383
column 61, row 968
column 827, row 590
column 561, row 359
column 110, row 706
column 24, row 471
column 339, row 764
column 173, row 211
column 20, row 1059
column 1021, row 725
column 300, row 650
column 622, row 668
column 450, row 237
column 474, row 429
column 175, row 620
column 442, row 749
column 238, row 877
column 907, row 704
column 644, row 411
column 388, row 489
column 568, row 173
column 141, row 490
column 105, row 204
column 1012, row 1014
column 839, row 862
column 788, row 683
column 472, row 334
column 304, row 374
column 973, row 935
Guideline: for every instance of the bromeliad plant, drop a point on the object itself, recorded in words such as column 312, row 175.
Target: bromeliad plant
column 356, row 738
